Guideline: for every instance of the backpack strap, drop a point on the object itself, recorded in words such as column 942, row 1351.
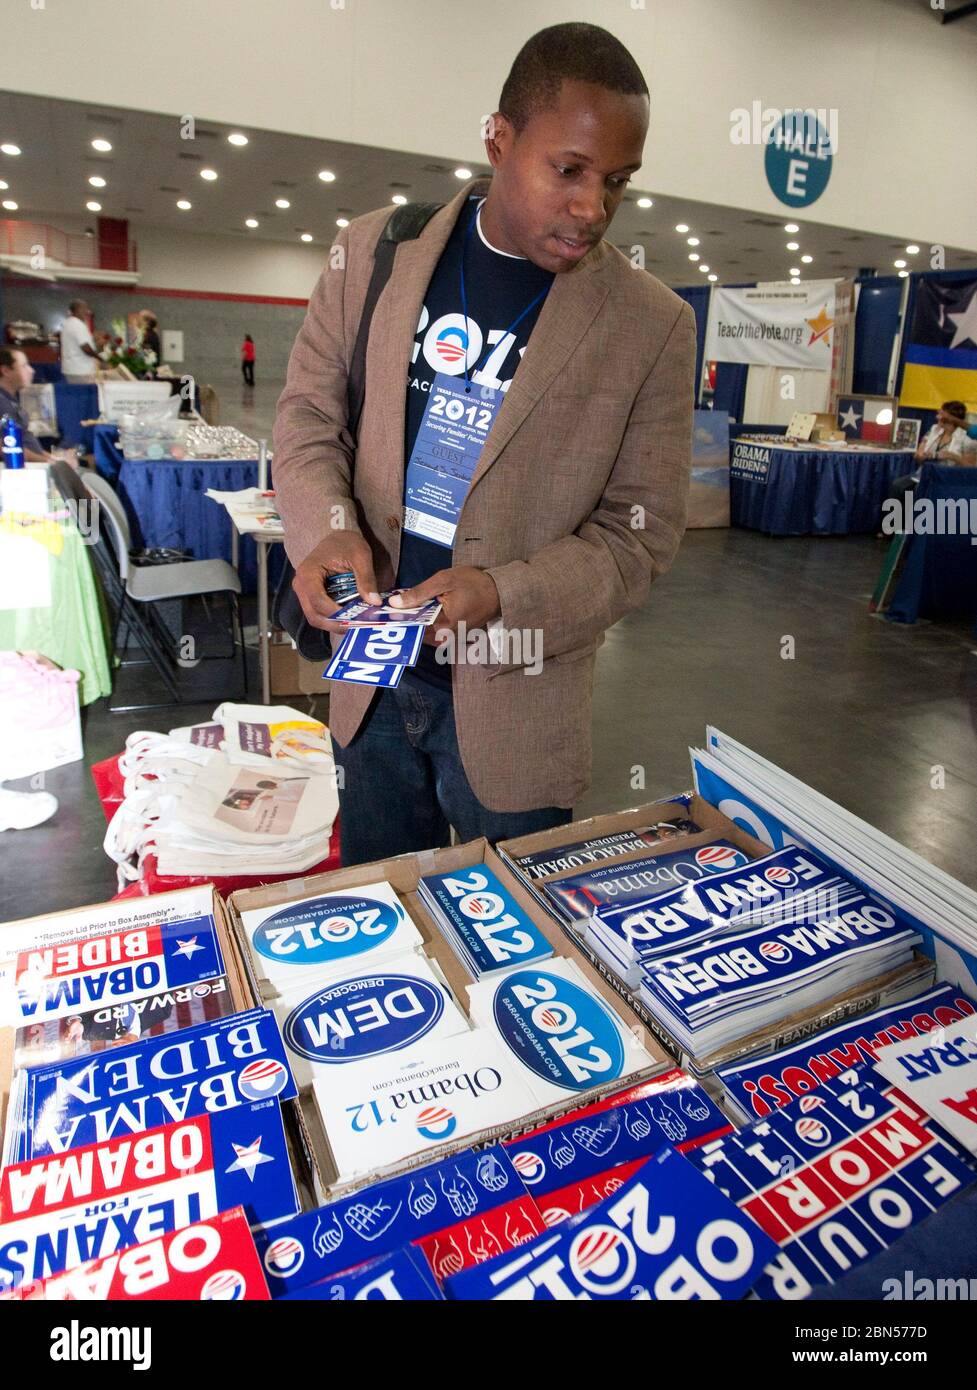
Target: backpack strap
column 404, row 224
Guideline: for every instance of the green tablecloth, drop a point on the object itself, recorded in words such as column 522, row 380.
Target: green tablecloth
column 71, row 631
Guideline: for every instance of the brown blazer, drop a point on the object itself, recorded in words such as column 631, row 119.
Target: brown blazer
column 577, row 504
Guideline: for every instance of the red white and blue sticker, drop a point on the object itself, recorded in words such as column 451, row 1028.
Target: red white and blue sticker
column 56, row 981
column 639, row 880
column 401, row 1276
column 483, row 921
column 61, row 1211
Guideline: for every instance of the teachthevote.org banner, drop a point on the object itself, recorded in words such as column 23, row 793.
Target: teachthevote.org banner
column 777, row 325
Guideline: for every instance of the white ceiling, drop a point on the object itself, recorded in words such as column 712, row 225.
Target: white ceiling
column 151, row 165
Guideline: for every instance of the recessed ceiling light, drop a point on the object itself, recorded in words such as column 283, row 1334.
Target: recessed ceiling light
column 399, row 199
column 794, row 270
column 693, row 255
column 899, row 265
column 9, row 149
column 463, row 173
column 902, row 274
column 791, row 227
column 793, row 246
column 282, row 203
column 251, row 221
column 327, row 176
column 306, row 236
column 4, row 184
column 692, row 241
column 912, row 249
column 103, row 146
column 10, row 205
column 681, row 226
column 93, row 206
column 795, row 280
column 97, row 181
column 236, row 138
column 342, row 221
column 704, row 269
column 184, row 205
column 806, row 260
column 208, row 174
column 714, row 278
column 645, row 203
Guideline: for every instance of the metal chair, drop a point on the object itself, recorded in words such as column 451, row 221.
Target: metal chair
column 137, row 588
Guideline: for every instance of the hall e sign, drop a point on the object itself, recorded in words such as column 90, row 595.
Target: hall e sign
column 797, row 158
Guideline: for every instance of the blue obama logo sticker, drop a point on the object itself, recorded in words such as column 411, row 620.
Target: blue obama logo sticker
column 562, row 1033
column 355, row 1019
column 326, row 930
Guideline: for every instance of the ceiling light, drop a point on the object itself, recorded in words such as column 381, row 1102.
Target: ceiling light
column 103, row 146
column 282, row 203
column 791, row 227
column 93, row 206
column 236, row 138
column 795, row 280
column 97, row 181
column 306, row 236
column 692, row 241
column 704, row 269
column 251, row 221
column 327, row 176
column 463, row 173
column 714, row 278
column 184, row 205
column 793, row 246
column 4, row 184
column 681, row 226
column 912, row 249
column 9, row 149
column 806, row 260
column 645, row 203
column 793, row 270
column 899, row 265
column 342, row 221
column 693, row 255
column 10, row 205
column 902, row 274
column 208, row 174
column 399, row 199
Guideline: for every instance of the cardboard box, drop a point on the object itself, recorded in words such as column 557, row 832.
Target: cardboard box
column 291, row 674
column 126, row 913
column 403, row 873
column 860, row 999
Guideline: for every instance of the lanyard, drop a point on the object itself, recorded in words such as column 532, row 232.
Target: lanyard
column 464, row 304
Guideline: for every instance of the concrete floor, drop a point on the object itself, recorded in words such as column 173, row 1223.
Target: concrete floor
column 864, row 712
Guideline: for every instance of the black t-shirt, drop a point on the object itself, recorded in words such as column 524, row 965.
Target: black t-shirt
column 498, row 287
column 10, row 405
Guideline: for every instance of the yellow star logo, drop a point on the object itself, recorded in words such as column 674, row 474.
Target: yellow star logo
column 819, row 326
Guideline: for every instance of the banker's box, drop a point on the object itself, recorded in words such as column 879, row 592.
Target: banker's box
column 119, row 915
column 860, row 999
column 403, row 874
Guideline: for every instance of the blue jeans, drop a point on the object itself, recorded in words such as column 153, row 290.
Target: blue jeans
column 403, row 783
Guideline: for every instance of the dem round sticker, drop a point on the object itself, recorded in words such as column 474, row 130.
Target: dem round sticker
column 562, row 1033
column 326, row 930
column 356, row 1019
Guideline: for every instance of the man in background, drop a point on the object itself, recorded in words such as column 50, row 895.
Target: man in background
column 78, row 355
column 15, row 373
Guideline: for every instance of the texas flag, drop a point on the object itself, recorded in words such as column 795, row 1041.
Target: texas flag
column 869, row 418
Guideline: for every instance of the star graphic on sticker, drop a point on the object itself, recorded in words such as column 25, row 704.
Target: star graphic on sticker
column 187, row 948
column 849, row 420
column 820, row 325
column 248, row 1158
column 966, row 329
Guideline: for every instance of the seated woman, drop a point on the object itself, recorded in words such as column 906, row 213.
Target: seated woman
column 947, row 441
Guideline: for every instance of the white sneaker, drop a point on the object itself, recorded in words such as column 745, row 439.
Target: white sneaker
column 22, row 810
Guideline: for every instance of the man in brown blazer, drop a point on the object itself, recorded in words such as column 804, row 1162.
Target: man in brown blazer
column 577, row 494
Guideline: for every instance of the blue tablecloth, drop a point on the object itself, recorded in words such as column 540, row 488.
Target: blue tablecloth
column 166, row 502
column 74, row 404
column 109, row 458
column 810, row 492
column 939, row 577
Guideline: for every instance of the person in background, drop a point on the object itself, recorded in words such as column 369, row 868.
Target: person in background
column 247, row 359
column 946, row 442
column 16, row 372
column 78, row 354
column 150, row 334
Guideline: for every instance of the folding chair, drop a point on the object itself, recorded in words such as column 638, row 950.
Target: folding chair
column 138, row 588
